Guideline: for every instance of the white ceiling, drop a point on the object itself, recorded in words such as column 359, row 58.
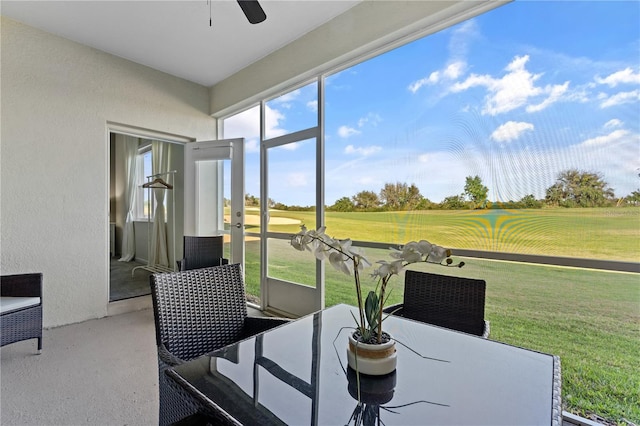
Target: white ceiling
column 175, row 36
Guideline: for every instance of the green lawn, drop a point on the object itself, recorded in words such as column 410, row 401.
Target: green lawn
column 591, row 319
column 598, row 233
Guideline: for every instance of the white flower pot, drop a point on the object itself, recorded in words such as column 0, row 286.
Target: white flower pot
column 372, row 359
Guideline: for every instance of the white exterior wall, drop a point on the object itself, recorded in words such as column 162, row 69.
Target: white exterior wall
column 57, row 97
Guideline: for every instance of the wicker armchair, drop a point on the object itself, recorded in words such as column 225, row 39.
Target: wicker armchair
column 202, row 252
column 196, row 312
column 21, row 316
column 451, row 302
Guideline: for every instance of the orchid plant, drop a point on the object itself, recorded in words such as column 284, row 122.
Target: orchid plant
column 350, row 260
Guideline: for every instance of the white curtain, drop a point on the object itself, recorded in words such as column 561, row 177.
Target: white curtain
column 160, row 164
column 131, row 165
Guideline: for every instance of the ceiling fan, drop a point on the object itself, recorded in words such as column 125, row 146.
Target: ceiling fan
column 252, row 10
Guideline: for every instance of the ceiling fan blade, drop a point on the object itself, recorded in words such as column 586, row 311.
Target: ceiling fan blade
column 252, row 10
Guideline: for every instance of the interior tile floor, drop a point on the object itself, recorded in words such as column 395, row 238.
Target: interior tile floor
column 123, row 284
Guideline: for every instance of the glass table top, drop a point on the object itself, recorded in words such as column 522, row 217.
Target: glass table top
column 297, row 374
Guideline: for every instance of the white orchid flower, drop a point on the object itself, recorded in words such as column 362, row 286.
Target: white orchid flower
column 345, row 245
column 320, row 251
column 424, row 247
column 383, row 270
column 362, row 262
column 409, row 253
column 437, row 254
column 396, row 267
column 395, row 253
column 300, row 241
column 344, row 258
column 297, row 244
column 359, row 255
column 339, row 262
column 387, row 269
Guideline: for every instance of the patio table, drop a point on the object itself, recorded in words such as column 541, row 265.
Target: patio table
column 297, row 374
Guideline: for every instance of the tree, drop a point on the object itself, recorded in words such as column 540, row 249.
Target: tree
column 425, row 204
column 530, row 202
column 476, row 191
column 554, row 195
column 575, row 188
column 343, row 204
column 251, row 200
column 400, row 196
column 633, row 198
column 454, row 202
column 366, row 200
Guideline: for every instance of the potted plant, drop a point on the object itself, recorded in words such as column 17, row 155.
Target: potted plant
column 368, row 340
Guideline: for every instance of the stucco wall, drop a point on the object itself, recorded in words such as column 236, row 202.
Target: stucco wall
column 56, row 99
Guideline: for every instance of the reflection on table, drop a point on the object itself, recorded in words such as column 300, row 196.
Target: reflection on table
column 297, row 374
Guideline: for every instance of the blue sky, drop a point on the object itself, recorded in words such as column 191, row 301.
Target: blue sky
column 515, row 96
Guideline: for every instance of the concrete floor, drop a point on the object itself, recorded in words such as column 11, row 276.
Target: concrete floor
column 99, row 372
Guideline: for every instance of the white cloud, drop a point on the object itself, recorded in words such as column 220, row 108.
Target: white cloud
column 455, row 70
column 251, row 146
column 433, row 78
column 312, row 105
column 609, row 139
column 364, row 151
column 247, row 124
column 244, row 124
column 346, row 131
column 273, row 117
column 510, row 130
column 424, row 158
column 288, row 97
column 625, row 76
column 613, row 123
column 556, row 92
column 619, row 98
column 291, row 146
column 372, row 119
column 515, row 89
column 472, row 81
column 511, row 91
column 461, row 37
column 451, row 72
column 297, row 180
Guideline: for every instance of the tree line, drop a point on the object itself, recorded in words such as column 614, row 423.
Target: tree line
column 573, row 188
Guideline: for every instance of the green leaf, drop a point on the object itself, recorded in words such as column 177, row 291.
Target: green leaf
column 372, row 309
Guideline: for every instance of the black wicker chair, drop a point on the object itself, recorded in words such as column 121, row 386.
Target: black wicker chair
column 196, row 312
column 21, row 322
column 451, row 302
column 202, row 252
